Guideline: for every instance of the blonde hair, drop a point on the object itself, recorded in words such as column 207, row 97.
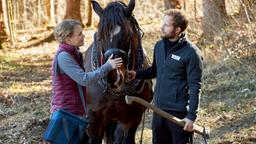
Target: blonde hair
column 179, row 18
column 65, row 29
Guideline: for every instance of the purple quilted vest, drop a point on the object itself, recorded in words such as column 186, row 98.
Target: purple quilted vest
column 65, row 91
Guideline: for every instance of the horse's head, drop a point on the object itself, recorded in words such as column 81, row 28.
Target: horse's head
column 118, row 34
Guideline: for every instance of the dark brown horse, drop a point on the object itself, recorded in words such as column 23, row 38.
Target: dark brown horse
column 118, row 34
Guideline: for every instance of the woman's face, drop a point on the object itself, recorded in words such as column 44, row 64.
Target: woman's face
column 77, row 38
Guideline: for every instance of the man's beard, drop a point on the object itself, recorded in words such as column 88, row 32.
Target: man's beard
column 169, row 36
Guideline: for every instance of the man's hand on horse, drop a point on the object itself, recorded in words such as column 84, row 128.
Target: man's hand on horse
column 115, row 63
column 131, row 75
column 188, row 125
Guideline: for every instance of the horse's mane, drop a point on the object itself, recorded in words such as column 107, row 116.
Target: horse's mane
column 114, row 15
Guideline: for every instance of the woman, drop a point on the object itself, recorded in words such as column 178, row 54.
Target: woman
column 68, row 71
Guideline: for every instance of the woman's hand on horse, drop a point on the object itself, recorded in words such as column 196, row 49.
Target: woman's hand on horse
column 115, row 63
column 131, row 75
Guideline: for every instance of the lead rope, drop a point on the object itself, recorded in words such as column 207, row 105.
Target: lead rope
column 142, row 127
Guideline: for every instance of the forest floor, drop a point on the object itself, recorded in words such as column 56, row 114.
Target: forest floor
column 227, row 109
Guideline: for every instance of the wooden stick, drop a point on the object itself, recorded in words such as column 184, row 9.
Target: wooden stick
column 197, row 129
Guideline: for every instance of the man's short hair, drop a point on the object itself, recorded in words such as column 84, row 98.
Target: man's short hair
column 179, row 18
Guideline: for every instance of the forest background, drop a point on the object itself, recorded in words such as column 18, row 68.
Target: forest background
column 223, row 29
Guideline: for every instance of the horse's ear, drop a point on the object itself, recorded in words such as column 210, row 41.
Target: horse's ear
column 97, row 8
column 128, row 10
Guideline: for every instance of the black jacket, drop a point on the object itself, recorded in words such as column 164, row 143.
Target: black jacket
column 178, row 72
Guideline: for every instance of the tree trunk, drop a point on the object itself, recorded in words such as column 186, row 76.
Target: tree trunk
column 3, row 34
column 1, row 9
column 215, row 17
column 25, row 14
column 73, row 10
column 89, row 13
column 60, row 4
column 39, row 13
column 7, row 20
column 195, row 9
column 52, row 12
column 47, row 9
column 172, row 4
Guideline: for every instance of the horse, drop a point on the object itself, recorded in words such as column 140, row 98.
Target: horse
column 118, row 34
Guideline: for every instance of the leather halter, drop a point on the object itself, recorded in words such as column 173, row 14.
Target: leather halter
column 132, row 87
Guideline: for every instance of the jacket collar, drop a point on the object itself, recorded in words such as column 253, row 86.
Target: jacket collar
column 181, row 40
column 69, row 48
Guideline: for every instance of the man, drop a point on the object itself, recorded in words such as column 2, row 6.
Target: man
column 177, row 67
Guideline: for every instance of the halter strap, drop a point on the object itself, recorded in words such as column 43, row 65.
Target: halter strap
column 116, row 51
